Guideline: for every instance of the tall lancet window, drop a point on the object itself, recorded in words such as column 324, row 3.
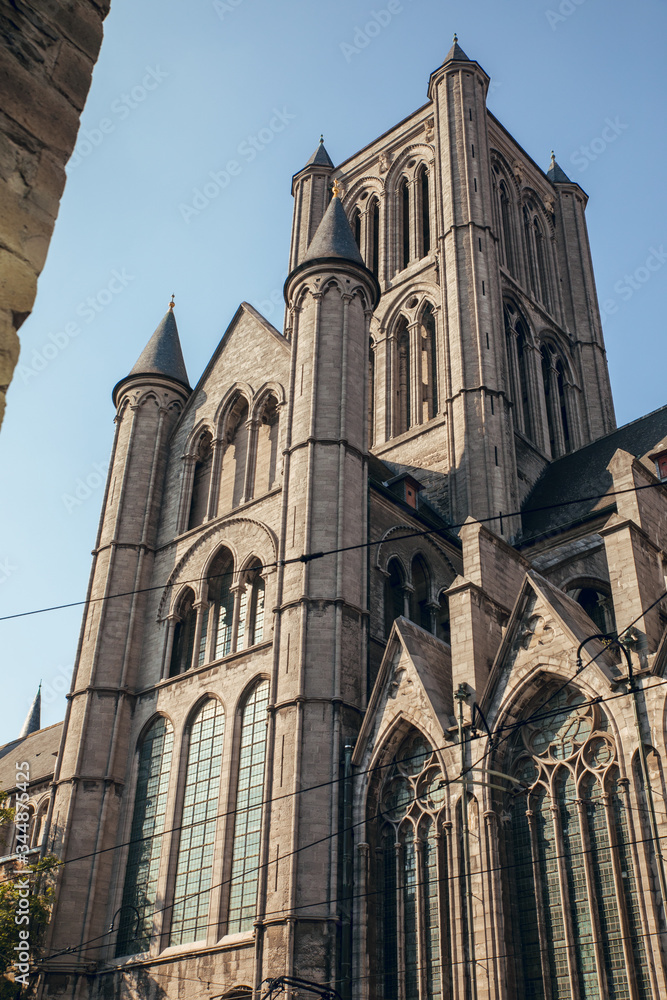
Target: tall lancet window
column 220, row 613
column 194, row 863
column 249, row 809
column 425, row 207
column 542, row 264
column 403, row 401
column 251, row 608
column 232, row 486
column 184, row 635
column 575, row 922
column 374, row 235
column 410, row 908
column 429, row 363
column 201, row 483
column 356, row 226
column 135, row 923
column 404, row 209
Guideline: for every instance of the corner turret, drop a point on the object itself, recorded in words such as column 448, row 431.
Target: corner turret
column 162, row 356
column 310, row 187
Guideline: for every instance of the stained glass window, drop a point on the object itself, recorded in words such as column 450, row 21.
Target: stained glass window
column 143, row 862
column 248, row 822
column 569, row 861
column 412, row 877
column 194, row 865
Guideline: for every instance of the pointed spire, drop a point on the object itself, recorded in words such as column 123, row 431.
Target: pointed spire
column 334, row 237
column 33, row 719
column 456, row 53
column 320, row 157
column 555, row 173
column 162, row 355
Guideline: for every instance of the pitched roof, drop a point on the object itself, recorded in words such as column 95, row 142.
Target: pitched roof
column 556, row 174
column 456, row 53
column 584, row 473
column 40, row 749
column 320, row 157
column 334, row 237
column 162, row 355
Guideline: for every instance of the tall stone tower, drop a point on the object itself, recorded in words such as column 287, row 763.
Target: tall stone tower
column 90, row 771
column 322, row 603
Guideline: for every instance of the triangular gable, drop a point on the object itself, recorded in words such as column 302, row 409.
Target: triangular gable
column 545, row 630
column 414, row 683
column 246, row 321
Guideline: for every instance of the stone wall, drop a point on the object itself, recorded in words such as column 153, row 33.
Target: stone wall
column 47, row 53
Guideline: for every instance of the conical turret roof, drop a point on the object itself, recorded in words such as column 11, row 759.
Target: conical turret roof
column 555, row 173
column 162, row 355
column 334, row 237
column 33, row 720
column 456, row 53
column 320, row 157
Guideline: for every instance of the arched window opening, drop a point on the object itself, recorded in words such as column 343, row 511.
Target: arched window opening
column 522, row 366
column 232, row 487
column 248, row 823
column 371, row 393
column 548, row 398
column 356, row 226
column 572, row 866
column 425, row 212
column 220, row 616
column 506, row 225
column 420, row 598
column 201, row 484
column 516, row 336
column 443, row 629
column 194, row 862
column 598, row 605
column 394, row 595
column 404, row 205
column 403, row 421
column 266, row 462
column 374, row 236
column 542, row 267
column 412, row 877
column 143, row 861
column 251, row 609
column 38, row 830
column 184, row 636
column 429, row 363
column 530, row 251
column 562, row 405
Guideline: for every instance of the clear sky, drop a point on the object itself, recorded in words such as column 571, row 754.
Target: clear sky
column 182, row 88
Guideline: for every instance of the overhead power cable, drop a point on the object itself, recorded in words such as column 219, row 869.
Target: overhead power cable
column 309, row 557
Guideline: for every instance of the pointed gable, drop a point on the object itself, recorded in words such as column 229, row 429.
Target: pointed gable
column 414, row 683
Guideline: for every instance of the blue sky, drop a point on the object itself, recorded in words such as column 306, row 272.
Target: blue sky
column 182, row 88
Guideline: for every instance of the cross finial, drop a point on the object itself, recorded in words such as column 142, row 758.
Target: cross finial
column 321, row 139
column 172, row 303
column 336, row 188
column 456, row 38
column 553, row 158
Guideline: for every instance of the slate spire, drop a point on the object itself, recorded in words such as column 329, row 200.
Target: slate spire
column 320, row 157
column 334, row 237
column 162, row 355
column 555, row 173
column 33, row 720
column 456, row 53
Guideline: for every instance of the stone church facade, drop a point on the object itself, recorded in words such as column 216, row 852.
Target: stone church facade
column 341, row 708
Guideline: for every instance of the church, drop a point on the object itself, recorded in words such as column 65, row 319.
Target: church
column 370, row 685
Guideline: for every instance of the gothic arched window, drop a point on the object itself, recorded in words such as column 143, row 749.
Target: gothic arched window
column 373, row 242
column 248, row 823
column 573, row 893
column 420, row 598
column 403, row 416
column 232, row 487
column 143, row 861
column 201, row 482
column 198, row 821
column 356, row 226
column 184, row 635
column 507, row 228
column 595, row 599
column 404, row 208
column 542, row 264
column 555, row 397
column 517, row 340
column 429, row 362
column 411, row 912
column 443, row 628
column 219, row 615
column 394, row 595
column 425, row 211
column 251, row 608
column 266, row 451
column 530, row 251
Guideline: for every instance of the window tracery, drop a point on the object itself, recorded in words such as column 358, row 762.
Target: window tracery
column 572, row 873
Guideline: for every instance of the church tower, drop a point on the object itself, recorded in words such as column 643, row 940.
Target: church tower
column 90, row 770
column 322, row 603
